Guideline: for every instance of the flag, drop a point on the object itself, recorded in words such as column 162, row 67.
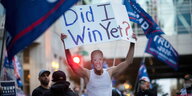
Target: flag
column 142, row 74
column 138, row 15
column 12, row 70
column 160, row 48
column 130, row 11
column 26, row 20
column 18, row 70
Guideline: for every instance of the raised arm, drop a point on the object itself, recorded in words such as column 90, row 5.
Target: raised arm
column 77, row 69
column 115, row 70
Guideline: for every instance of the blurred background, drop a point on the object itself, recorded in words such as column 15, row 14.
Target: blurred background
column 173, row 16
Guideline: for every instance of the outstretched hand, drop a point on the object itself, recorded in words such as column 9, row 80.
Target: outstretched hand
column 63, row 36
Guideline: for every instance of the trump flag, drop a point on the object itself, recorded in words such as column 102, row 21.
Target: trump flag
column 138, row 15
column 142, row 74
column 26, row 20
column 160, row 48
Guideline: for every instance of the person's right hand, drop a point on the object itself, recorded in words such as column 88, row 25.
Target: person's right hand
column 134, row 36
column 63, row 36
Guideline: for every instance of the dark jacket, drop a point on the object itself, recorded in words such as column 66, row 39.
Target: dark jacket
column 145, row 93
column 60, row 88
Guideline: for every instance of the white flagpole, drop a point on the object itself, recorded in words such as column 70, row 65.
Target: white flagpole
column 2, row 49
column 114, row 59
column 136, row 82
column 3, row 42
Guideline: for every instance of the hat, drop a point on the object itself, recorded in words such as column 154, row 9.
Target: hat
column 58, row 76
column 43, row 71
column 144, row 78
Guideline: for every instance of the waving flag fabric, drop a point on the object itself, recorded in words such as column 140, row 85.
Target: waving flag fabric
column 12, row 70
column 139, row 16
column 26, row 20
column 142, row 74
column 131, row 13
column 160, row 48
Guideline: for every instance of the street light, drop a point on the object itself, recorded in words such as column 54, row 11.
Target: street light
column 76, row 59
column 55, row 65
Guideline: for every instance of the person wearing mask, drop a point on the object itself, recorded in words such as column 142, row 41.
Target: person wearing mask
column 144, row 88
column 98, row 80
column 187, row 90
column 44, row 83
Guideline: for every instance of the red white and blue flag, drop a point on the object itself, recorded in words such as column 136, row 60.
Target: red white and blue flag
column 12, row 70
column 142, row 74
column 138, row 15
column 160, row 48
column 26, row 20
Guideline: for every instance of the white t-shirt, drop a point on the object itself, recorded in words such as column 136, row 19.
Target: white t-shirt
column 99, row 85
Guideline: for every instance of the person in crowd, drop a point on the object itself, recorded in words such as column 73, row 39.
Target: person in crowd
column 187, row 86
column 98, row 80
column 60, row 86
column 144, row 88
column 44, row 83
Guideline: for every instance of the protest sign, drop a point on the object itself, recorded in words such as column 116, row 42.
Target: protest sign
column 8, row 87
column 89, row 24
column 162, row 50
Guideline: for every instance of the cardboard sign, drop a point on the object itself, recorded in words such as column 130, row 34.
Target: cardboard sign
column 8, row 87
column 89, row 24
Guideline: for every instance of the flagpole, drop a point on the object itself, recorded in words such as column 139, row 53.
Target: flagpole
column 136, row 82
column 2, row 49
column 114, row 59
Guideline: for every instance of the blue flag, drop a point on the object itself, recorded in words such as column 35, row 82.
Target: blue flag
column 142, row 74
column 130, row 11
column 160, row 48
column 8, row 64
column 26, row 20
column 138, row 15
column 13, row 70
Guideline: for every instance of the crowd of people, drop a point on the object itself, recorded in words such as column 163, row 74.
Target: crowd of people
column 98, row 80
column 61, row 87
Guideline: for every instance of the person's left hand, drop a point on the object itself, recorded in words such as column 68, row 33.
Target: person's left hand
column 63, row 36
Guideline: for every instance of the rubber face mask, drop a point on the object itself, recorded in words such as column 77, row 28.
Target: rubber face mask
column 97, row 61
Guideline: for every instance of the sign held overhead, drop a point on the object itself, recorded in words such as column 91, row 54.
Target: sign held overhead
column 90, row 24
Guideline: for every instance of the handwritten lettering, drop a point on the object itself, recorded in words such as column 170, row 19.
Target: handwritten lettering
column 96, row 23
column 71, row 12
column 106, row 12
column 88, row 16
column 81, row 38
